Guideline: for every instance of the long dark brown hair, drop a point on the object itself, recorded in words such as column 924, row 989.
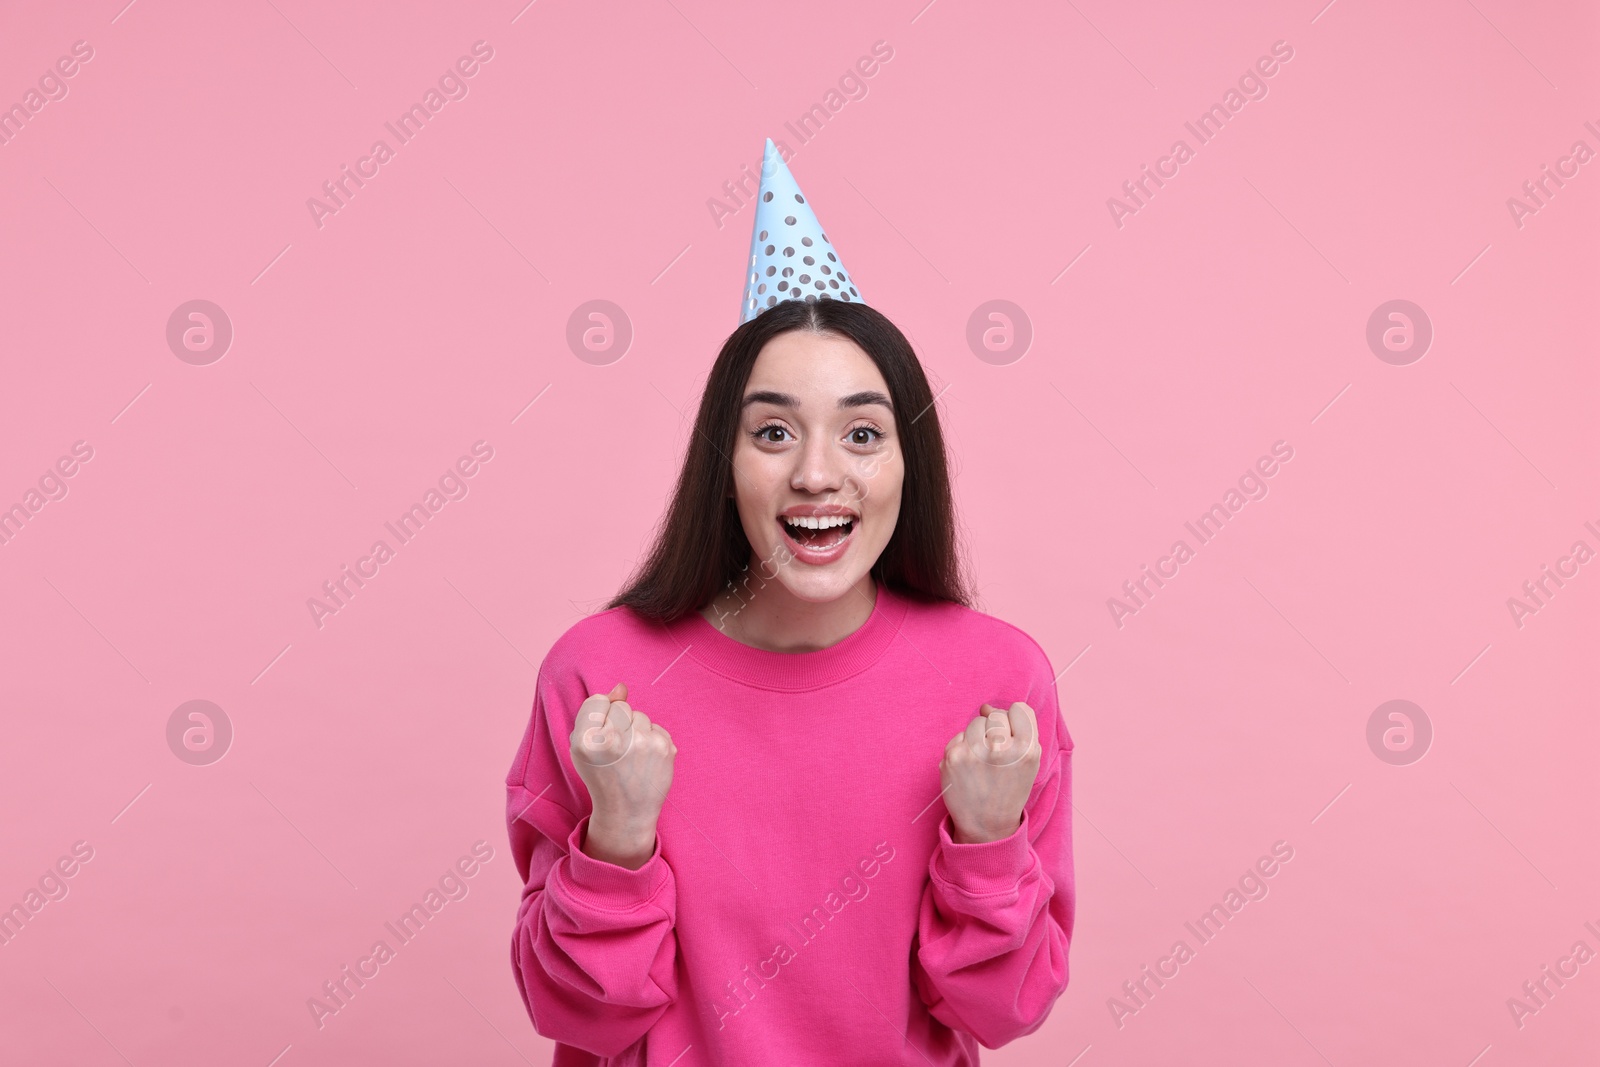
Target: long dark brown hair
column 700, row 547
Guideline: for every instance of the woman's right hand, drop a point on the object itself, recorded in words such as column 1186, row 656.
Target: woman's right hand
column 625, row 761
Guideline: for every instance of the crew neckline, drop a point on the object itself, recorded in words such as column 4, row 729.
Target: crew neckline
column 765, row 669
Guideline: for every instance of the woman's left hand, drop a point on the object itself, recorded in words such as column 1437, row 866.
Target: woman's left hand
column 988, row 771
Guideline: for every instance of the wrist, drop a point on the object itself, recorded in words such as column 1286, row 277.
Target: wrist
column 982, row 834
column 625, row 842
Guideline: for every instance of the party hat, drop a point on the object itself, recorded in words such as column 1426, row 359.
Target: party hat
column 790, row 257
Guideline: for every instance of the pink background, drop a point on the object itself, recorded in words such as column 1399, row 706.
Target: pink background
column 368, row 354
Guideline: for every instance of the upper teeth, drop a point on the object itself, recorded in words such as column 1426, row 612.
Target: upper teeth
column 817, row 522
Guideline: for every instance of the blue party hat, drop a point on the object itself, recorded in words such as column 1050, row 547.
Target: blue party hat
column 790, row 257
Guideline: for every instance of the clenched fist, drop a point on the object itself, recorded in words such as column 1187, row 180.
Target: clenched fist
column 625, row 761
column 987, row 772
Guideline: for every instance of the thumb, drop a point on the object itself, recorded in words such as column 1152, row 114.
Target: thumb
column 618, row 692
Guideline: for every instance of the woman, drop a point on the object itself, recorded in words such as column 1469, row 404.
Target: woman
column 854, row 844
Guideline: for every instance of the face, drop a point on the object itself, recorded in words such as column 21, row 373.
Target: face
column 817, row 464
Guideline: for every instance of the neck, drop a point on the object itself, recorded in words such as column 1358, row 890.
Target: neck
column 774, row 619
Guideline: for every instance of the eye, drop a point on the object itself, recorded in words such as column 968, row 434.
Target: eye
column 863, row 436
column 769, row 433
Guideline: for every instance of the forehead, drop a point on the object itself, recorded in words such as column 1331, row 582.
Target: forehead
column 820, row 366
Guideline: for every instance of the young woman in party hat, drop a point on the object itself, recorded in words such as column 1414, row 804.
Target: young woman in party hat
column 789, row 800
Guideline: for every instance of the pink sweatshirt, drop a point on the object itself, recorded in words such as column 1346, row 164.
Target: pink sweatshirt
column 805, row 903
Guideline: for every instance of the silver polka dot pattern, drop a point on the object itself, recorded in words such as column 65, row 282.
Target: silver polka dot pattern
column 786, row 230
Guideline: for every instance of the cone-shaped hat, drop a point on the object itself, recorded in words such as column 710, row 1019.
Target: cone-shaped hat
column 790, row 257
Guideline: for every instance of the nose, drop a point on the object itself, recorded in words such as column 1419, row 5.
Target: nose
column 818, row 468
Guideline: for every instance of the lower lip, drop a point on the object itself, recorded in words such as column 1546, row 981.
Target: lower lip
column 818, row 557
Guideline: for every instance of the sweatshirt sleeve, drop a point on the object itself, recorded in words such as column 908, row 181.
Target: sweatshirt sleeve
column 594, row 948
column 996, row 918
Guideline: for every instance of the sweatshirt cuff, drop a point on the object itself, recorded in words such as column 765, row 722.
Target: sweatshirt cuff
column 608, row 885
column 986, row 867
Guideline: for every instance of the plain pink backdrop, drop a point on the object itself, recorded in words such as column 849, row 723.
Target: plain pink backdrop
column 1228, row 313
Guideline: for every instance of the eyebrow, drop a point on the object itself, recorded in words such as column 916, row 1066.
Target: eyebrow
column 784, row 400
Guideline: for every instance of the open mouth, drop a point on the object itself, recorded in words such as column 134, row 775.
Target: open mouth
column 818, row 532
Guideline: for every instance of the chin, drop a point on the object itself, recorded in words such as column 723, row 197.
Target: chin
column 821, row 585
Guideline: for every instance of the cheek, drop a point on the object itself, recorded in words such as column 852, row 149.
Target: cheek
column 755, row 487
column 750, row 511
column 748, row 474
column 894, row 480
column 882, row 503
